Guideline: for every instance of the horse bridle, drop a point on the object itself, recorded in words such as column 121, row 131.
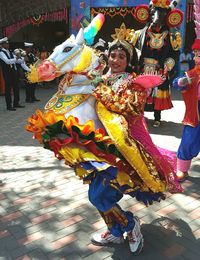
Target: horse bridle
column 59, row 66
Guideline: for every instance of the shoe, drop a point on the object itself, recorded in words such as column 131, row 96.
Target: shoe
column 19, row 106
column 106, row 238
column 156, row 124
column 29, row 101
column 35, row 99
column 135, row 238
column 11, row 109
column 181, row 176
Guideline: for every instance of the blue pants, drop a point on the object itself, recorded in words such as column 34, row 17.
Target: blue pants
column 190, row 142
column 104, row 197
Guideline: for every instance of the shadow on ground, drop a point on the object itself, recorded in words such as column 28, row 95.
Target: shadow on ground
column 176, row 244
column 168, row 128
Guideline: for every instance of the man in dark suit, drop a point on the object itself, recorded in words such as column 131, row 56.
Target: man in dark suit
column 30, row 59
column 8, row 64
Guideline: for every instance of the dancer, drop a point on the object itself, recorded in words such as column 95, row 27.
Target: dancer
column 115, row 155
column 159, row 42
column 190, row 86
column 122, row 98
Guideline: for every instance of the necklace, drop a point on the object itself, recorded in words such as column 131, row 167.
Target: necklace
column 115, row 81
column 157, row 39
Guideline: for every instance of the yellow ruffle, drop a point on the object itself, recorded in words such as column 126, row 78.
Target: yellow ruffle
column 74, row 155
column 128, row 147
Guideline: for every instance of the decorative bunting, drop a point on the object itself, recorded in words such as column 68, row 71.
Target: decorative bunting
column 61, row 15
column 112, row 11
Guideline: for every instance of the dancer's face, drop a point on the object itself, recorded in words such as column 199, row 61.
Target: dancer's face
column 117, row 61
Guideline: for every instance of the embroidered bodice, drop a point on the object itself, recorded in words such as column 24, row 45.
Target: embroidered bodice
column 120, row 94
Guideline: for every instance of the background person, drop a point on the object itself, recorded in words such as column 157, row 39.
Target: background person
column 185, row 60
column 30, row 59
column 190, row 141
column 9, row 70
column 44, row 54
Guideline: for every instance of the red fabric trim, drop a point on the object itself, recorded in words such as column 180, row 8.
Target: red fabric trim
column 190, row 97
column 162, row 103
column 57, row 144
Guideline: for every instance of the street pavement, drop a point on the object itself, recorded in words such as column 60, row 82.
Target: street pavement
column 45, row 213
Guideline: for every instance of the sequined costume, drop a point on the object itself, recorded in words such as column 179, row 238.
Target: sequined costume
column 190, row 141
column 159, row 43
column 190, row 86
column 112, row 152
column 123, row 162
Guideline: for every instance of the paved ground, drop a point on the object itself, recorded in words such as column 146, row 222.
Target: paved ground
column 45, row 214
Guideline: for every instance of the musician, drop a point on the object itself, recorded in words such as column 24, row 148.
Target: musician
column 30, row 59
column 8, row 63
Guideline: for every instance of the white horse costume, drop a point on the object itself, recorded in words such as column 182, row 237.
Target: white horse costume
column 76, row 59
column 73, row 125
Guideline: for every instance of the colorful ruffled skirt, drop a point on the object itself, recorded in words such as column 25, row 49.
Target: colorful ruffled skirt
column 124, row 160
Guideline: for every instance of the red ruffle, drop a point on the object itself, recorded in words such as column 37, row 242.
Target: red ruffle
column 57, row 144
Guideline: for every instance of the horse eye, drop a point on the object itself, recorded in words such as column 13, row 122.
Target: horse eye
column 67, row 49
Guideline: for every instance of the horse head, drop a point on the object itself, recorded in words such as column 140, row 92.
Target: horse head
column 73, row 55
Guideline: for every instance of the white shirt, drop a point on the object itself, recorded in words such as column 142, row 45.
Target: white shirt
column 13, row 61
column 10, row 61
column 21, row 61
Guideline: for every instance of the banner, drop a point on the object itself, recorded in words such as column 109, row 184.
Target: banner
column 190, row 12
column 61, row 15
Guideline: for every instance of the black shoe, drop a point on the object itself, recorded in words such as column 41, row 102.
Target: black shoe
column 35, row 99
column 11, row 109
column 19, row 106
column 29, row 101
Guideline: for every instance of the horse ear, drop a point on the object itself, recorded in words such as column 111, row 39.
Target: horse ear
column 72, row 37
column 80, row 37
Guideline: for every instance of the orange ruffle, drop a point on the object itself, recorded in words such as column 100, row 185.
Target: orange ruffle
column 39, row 121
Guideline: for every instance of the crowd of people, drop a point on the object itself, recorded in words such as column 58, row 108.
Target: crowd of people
column 14, row 64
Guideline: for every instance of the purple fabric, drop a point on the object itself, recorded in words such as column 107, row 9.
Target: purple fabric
column 164, row 160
